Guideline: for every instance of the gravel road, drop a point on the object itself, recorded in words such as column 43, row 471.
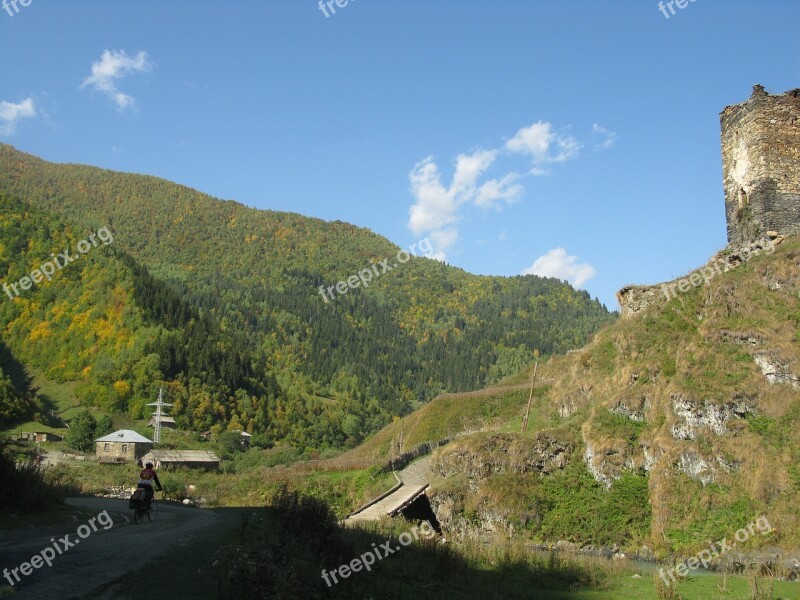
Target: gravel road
column 99, row 557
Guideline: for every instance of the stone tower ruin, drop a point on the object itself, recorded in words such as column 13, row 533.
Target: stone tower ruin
column 761, row 165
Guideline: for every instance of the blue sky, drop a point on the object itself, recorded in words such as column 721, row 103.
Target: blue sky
column 572, row 138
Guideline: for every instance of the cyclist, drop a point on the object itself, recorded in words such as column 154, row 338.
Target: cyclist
column 146, row 479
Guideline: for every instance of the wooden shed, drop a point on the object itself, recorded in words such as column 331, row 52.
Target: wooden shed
column 200, row 459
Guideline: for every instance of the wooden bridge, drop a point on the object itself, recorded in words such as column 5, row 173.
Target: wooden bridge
column 412, row 483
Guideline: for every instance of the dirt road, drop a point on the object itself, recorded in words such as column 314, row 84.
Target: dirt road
column 91, row 559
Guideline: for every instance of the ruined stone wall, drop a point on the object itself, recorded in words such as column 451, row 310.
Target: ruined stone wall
column 760, row 158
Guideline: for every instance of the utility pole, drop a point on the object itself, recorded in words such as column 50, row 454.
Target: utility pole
column 158, row 414
column 530, row 398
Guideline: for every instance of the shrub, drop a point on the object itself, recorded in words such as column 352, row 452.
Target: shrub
column 28, row 487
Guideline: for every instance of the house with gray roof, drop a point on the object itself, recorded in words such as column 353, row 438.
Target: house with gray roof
column 121, row 446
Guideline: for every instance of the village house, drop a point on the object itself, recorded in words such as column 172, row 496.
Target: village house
column 122, row 446
column 37, row 436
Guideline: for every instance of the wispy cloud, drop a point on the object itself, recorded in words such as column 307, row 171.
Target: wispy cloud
column 438, row 207
column 11, row 113
column 606, row 138
column 112, row 66
column 557, row 263
column 544, row 146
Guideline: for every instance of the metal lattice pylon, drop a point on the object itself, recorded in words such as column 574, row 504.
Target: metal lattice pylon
column 158, row 414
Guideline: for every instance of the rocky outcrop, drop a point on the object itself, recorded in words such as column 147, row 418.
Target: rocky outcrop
column 475, row 459
column 604, row 465
column 774, row 368
column 486, row 455
column 694, row 415
column 485, row 522
column 634, row 409
column 776, row 371
column 696, row 467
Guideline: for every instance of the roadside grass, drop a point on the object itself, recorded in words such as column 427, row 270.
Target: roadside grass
column 344, row 491
column 28, row 488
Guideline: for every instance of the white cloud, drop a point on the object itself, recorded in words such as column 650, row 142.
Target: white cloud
column 608, row 137
column 113, row 65
column 498, row 190
column 10, row 113
column 557, row 263
column 436, row 207
column 543, row 145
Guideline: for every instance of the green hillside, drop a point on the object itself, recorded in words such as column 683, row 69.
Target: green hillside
column 670, row 428
column 222, row 302
column 103, row 323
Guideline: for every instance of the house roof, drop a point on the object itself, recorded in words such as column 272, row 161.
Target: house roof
column 125, row 436
column 183, row 456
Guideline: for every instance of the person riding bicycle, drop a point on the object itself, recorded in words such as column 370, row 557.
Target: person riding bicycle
column 146, row 479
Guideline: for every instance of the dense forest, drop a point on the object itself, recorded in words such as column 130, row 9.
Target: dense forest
column 220, row 302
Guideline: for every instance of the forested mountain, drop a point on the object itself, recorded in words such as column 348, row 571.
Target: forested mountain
column 222, row 301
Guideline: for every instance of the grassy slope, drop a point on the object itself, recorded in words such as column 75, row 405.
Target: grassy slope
column 685, row 347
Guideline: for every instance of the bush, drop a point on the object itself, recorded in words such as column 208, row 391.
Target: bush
column 173, row 485
column 230, row 444
column 27, row 485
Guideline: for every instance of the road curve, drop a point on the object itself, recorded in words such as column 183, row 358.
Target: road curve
column 100, row 557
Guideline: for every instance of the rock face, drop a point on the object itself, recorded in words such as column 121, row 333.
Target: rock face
column 776, row 371
column 482, row 456
column 476, row 458
column 631, row 408
column 603, row 470
column 693, row 415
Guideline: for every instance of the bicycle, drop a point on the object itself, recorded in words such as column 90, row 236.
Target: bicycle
column 151, row 510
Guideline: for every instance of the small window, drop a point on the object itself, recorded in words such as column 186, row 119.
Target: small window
column 124, row 448
column 106, row 447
